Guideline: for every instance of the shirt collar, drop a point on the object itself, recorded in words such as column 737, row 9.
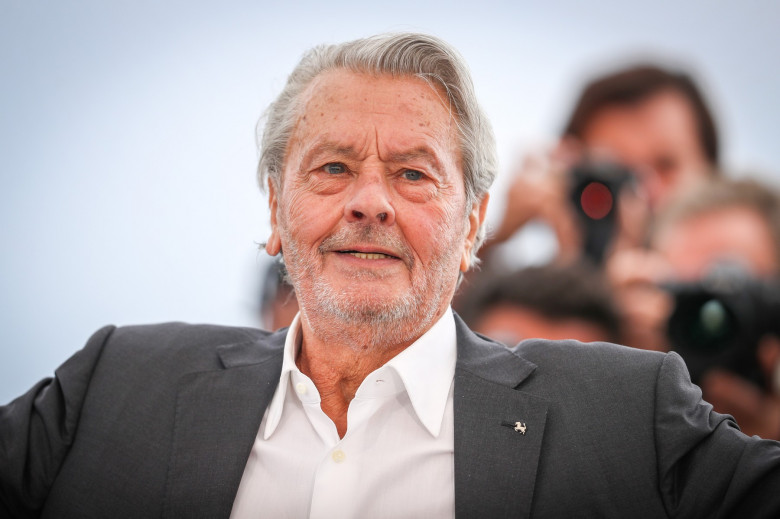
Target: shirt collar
column 426, row 369
column 292, row 344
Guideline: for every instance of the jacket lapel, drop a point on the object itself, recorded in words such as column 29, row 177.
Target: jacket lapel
column 495, row 465
column 218, row 415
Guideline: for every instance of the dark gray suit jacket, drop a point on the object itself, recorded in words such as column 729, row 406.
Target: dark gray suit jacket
column 158, row 421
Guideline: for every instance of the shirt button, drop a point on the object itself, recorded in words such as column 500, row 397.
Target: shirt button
column 338, row 456
column 301, row 388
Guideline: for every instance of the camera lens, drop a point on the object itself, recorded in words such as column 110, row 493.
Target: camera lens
column 704, row 324
column 594, row 192
column 714, row 319
column 596, row 200
column 719, row 320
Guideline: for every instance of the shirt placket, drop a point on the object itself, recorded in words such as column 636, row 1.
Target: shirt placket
column 338, row 473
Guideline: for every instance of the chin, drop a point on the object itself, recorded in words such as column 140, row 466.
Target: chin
column 370, row 309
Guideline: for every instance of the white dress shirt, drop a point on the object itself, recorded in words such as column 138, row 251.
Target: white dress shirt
column 395, row 460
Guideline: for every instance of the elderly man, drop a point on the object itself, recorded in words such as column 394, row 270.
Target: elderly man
column 377, row 401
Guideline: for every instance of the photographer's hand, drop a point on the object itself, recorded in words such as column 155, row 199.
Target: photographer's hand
column 539, row 191
column 635, row 275
column 756, row 412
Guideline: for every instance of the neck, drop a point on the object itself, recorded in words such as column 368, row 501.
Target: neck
column 338, row 360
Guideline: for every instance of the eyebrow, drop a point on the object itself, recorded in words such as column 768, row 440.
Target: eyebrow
column 349, row 152
column 422, row 152
column 329, row 148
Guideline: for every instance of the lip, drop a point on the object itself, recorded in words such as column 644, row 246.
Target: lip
column 362, row 249
column 355, row 255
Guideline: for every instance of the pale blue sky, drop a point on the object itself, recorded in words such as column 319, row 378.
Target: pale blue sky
column 127, row 134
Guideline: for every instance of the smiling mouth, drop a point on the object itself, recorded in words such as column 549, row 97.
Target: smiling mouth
column 367, row 255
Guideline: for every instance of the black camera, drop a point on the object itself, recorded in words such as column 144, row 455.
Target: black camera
column 595, row 187
column 719, row 321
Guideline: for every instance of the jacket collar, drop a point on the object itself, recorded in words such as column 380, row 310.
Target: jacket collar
column 495, row 465
column 218, row 415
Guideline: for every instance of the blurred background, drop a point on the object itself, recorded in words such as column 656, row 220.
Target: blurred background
column 128, row 151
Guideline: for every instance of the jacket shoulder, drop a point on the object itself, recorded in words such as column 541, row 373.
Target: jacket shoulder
column 172, row 333
column 608, row 374
column 571, row 355
column 187, row 346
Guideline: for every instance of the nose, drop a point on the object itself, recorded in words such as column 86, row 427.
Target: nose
column 370, row 200
column 652, row 185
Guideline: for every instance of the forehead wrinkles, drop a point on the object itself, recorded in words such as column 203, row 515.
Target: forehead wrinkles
column 381, row 94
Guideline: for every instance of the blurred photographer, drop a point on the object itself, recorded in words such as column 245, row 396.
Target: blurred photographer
column 650, row 124
column 548, row 301
column 710, row 289
column 277, row 302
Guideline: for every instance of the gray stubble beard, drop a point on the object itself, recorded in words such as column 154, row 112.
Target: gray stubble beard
column 337, row 318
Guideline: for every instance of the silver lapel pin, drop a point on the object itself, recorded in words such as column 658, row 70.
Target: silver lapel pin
column 517, row 426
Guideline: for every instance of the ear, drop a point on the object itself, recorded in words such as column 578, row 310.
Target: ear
column 274, row 244
column 475, row 220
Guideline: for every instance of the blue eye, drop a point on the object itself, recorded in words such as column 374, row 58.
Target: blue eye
column 412, row 174
column 335, row 168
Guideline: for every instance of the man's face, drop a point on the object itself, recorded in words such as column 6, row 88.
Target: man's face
column 736, row 235
column 512, row 323
column 658, row 138
column 371, row 212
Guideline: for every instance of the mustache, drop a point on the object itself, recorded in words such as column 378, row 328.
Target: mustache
column 368, row 235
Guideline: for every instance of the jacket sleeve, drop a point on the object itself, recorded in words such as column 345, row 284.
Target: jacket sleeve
column 37, row 430
column 707, row 467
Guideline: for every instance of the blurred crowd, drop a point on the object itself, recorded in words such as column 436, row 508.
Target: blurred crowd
column 656, row 246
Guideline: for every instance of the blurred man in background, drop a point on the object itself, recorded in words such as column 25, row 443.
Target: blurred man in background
column 278, row 304
column 653, row 123
column 636, row 138
column 550, row 301
column 708, row 288
column 653, row 120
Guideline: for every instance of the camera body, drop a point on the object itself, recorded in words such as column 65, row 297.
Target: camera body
column 719, row 321
column 594, row 190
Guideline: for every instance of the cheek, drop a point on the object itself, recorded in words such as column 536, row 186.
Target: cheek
column 307, row 217
column 418, row 193
column 437, row 232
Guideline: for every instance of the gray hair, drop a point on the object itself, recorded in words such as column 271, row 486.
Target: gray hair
column 397, row 55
